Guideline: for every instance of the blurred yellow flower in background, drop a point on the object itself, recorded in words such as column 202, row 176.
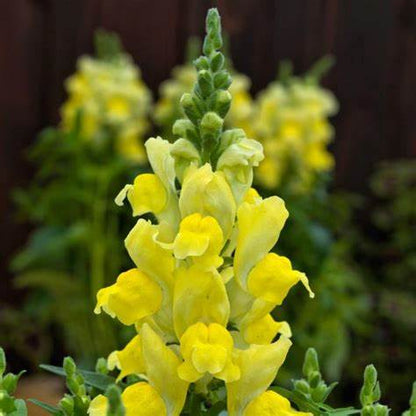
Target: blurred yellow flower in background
column 107, row 97
column 291, row 121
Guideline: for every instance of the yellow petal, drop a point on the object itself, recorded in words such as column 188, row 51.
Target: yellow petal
column 237, row 161
column 147, row 194
column 273, row 277
column 98, row 406
column 163, row 165
column 133, row 297
column 141, row 399
column 162, row 371
column 207, row 349
column 201, row 238
column 271, row 403
column 258, row 365
column 252, row 196
column 208, row 193
column 209, row 358
column 259, row 226
column 199, row 295
column 130, row 359
column 263, row 330
column 184, row 153
column 156, row 261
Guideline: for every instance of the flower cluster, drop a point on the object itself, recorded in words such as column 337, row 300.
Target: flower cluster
column 204, row 281
column 291, row 121
column 108, row 98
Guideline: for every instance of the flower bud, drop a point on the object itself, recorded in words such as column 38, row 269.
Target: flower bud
column 314, row 378
column 101, row 366
column 222, row 80
column 189, row 107
column 69, row 366
column 201, row 63
column 217, row 61
column 222, row 103
column 205, row 83
column 318, row 394
column 67, row 404
column 184, row 128
column 311, row 362
column 211, row 123
column 302, row 386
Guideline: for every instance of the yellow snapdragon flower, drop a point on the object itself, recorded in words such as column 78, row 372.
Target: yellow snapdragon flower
column 291, row 121
column 181, row 291
column 110, row 100
column 205, row 280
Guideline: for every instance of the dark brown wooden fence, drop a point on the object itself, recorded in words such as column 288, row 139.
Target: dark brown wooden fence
column 374, row 42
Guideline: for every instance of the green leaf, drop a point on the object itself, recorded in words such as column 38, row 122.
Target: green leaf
column 53, row 410
column 93, row 379
column 307, row 405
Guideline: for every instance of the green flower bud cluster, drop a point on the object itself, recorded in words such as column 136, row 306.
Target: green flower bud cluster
column 207, row 105
column 371, row 393
column 312, row 386
column 77, row 402
column 8, row 383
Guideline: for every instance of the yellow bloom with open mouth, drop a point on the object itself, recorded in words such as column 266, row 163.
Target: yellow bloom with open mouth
column 272, row 278
column 200, row 238
column 133, row 297
column 207, row 349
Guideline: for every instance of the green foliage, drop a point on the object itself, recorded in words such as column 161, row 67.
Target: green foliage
column 66, row 259
column 388, row 252
column 70, row 203
column 9, row 405
column 319, row 238
column 311, row 392
column 83, row 386
column 314, row 75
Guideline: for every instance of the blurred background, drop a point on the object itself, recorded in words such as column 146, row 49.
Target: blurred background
column 363, row 211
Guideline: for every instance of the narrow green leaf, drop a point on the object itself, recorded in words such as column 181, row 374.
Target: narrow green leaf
column 53, row 410
column 97, row 380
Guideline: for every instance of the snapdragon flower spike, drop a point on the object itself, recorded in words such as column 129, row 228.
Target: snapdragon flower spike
column 204, row 281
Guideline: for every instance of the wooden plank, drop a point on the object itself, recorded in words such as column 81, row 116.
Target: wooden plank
column 20, row 99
